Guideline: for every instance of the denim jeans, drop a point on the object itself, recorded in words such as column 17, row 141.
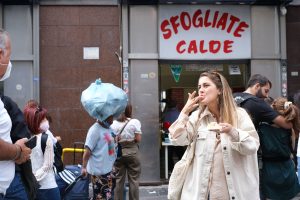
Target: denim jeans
column 298, row 168
column 16, row 189
column 48, row 194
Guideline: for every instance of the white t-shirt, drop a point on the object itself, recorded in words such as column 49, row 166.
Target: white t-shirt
column 7, row 168
column 133, row 127
column 101, row 143
column 42, row 164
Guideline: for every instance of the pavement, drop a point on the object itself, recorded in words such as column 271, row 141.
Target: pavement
column 152, row 192
column 160, row 192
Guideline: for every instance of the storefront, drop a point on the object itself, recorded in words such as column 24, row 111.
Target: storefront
column 163, row 47
column 166, row 47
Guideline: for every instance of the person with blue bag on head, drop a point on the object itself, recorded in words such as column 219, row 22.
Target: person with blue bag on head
column 103, row 102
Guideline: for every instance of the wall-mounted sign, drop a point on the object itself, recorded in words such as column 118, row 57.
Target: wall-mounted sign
column 234, row 70
column 90, row 53
column 203, row 67
column 176, row 71
column 283, row 64
column 204, row 32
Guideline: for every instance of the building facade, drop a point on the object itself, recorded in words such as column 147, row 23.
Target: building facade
column 293, row 49
column 153, row 49
column 167, row 44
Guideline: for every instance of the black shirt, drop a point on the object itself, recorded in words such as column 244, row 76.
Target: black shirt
column 258, row 109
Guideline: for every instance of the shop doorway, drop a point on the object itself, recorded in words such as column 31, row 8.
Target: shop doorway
column 177, row 79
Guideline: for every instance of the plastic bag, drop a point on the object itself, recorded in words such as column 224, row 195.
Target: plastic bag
column 102, row 100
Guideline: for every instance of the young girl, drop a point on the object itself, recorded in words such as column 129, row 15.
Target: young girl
column 42, row 163
column 99, row 157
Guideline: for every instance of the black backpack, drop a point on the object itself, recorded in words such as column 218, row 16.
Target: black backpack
column 58, row 163
column 241, row 97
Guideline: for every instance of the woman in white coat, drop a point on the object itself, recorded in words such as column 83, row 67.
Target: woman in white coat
column 225, row 161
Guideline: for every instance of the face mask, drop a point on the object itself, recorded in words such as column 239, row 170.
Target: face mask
column 7, row 73
column 44, row 126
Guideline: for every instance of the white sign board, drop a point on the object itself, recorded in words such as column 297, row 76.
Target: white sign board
column 90, row 53
column 206, row 32
column 234, row 70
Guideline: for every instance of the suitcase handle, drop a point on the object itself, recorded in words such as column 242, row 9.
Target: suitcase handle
column 75, row 144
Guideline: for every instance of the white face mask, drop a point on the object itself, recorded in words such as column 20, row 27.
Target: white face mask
column 44, row 126
column 7, row 72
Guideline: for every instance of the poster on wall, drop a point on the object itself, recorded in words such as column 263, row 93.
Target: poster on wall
column 206, row 32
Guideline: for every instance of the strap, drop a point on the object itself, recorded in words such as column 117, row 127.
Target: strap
column 44, row 141
column 124, row 127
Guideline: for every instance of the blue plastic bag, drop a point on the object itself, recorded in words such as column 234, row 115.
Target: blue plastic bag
column 102, row 100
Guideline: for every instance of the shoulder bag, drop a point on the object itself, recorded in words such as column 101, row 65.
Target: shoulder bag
column 119, row 152
column 179, row 172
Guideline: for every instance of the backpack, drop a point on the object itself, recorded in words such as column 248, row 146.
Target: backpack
column 241, row 97
column 58, row 163
column 20, row 130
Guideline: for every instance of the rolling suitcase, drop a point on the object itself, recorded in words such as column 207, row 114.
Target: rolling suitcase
column 78, row 186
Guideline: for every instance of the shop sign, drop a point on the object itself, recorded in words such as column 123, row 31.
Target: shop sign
column 203, row 67
column 204, row 32
column 176, row 71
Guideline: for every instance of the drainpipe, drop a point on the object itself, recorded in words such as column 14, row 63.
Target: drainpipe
column 124, row 47
column 283, row 57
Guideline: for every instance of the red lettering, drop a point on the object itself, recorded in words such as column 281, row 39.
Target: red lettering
column 227, row 46
column 183, row 16
column 166, row 31
column 222, row 21
column 179, row 47
column 206, row 22
column 214, row 46
column 201, row 48
column 240, row 28
column 192, row 47
column 174, row 24
column 197, row 19
column 215, row 19
column 233, row 20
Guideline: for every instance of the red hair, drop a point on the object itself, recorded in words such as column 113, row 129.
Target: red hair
column 34, row 115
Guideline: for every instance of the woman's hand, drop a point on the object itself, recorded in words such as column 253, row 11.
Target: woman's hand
column 225, row 127
column 58, row 138
column 191, row 104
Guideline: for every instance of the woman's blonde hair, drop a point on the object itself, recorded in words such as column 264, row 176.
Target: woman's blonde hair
column 289, row 111
column 227, row 105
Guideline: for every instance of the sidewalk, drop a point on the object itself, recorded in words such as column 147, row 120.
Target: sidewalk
column 152, row 192
column 159, row 192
